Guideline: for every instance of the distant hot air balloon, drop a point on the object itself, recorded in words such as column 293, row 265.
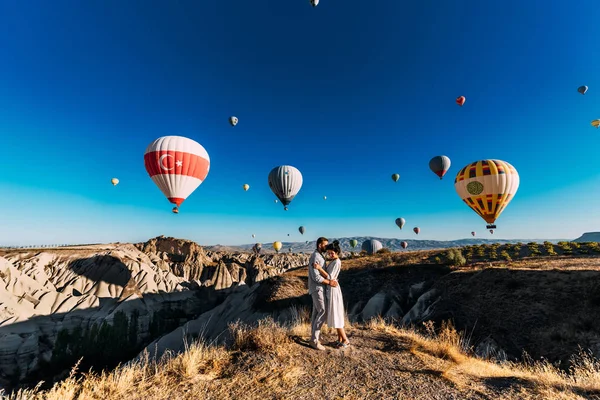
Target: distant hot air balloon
column 416, row 230
column 371, row 246
column 492, row 231
column 400, row 222
column 177, row 165
column 487, row 186
column 233, row 121
column 288, row 234
column 395, row 177
column 582, row 89
column 277, row 246
column 302, row 230
column 175, row 210
column 472, row 233
column 439, row 165
column 354, row 243
column 285, row 181
column 257, row 248
column 314, row 3
column 275, row 201
column 253, row 235
column 404, row 244
column 114, row 181
column 460, row 100
column 596, row 123
column 246, row 187
column 324, row 197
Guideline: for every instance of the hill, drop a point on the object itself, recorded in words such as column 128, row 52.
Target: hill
column 392, row 244
column 589, row 237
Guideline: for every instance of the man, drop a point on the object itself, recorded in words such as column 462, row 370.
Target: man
column 316, row 288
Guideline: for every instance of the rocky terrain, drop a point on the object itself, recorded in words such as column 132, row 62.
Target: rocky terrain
column 118, row 302
column 57, row 305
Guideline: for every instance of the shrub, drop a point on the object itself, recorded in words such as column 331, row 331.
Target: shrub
column 385, row 250
column 549, row 248
column 505, row 256
column 481, row 251
column 455, row 257
column 437, row 260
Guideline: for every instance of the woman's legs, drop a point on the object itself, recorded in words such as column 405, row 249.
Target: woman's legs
column 342, row 335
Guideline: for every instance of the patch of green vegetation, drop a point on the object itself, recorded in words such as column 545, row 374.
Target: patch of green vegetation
column 549, row 247
column 455, row 257
column 505, row 256
column 534, row 248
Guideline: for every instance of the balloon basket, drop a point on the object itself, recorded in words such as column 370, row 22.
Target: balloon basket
column 490, row 227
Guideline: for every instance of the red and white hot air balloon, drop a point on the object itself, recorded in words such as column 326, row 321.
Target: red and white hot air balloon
column 177, row 165
column 460, row 100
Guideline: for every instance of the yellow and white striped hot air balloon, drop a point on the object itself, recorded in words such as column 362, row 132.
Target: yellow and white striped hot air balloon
column 487, row 186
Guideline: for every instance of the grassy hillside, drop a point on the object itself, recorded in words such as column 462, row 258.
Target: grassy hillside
column 271, row 361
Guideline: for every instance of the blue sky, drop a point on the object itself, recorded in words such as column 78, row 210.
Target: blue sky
column 349, row 92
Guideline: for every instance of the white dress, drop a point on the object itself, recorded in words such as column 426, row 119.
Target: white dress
column 335, row 301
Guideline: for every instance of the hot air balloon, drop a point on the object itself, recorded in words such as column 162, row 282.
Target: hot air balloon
column 277, row 246
column 472, row 233
column 487, row 186
column 582, row 89
column 371, row 246
column 288, row 234
column 492, row 231
column 400, row 222
column 257, row 248
column 324, row 197
column 285, row 181
column 460, row 100
column 246, row 187
column 354, row 243
column 253, row 235
column 233, row 121
column 439, row 165
column 301, row 229
column 416, row 230
column 596, row 123
column 175, row 210
column 314, row 3
column 177, row 165
column 404, row 244
column 114, row 181
column 395, row 177
column 275, row 201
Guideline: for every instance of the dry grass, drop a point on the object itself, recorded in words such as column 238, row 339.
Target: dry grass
column 535, row 379
column 267, row 361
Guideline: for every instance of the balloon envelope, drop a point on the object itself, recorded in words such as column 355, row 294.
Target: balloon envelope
column 246, row 186
column 314, row 3
column 285, row 181
column 487, row 186
column 473, row 233
column 400, row 222
column 416, row 230
column 177, row 165
column 302, row 230
column 233, row 120
column 371, row 246
column 114, row 181
column 395, row 177
column 440, row 165
column 582, row 89
column 404, row 245
column 596, row 123
column 460, row 100
column 277, row 246
column 354, row 243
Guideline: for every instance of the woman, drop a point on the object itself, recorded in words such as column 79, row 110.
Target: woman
column 335, row 301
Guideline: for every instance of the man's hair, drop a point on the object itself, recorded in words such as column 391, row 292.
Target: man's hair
column 321, row 240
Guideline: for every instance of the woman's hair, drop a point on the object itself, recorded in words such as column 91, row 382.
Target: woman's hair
column 335, row 247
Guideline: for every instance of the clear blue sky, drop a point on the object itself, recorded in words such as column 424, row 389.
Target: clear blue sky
column 349, row 92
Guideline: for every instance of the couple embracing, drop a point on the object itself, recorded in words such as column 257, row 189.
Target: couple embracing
column 328, row 304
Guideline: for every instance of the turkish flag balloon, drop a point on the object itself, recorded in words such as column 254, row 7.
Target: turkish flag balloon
column 177, row 165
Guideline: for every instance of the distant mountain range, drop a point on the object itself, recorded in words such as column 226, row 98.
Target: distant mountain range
column 392, row 244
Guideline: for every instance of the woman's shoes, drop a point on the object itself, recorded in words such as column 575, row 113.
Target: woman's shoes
column 342, row 345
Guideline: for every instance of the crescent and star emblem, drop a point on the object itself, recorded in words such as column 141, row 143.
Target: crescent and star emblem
column 161, row 162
